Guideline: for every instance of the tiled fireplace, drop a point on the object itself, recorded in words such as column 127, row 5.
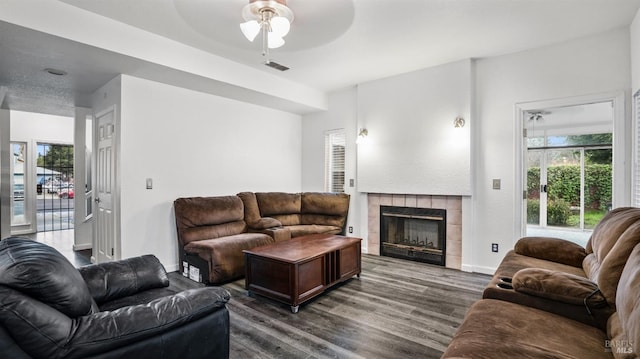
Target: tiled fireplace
column 451, row 205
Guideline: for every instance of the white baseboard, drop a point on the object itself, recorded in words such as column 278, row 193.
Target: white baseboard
column 172, row 268
column 478, row 269
column 81, row 247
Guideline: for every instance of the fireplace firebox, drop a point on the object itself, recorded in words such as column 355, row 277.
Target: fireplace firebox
column 417, row 234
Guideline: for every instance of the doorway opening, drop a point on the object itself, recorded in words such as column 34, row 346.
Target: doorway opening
column 55, row 187
column 568, row 161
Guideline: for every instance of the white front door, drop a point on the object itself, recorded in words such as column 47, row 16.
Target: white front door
column 105, row 188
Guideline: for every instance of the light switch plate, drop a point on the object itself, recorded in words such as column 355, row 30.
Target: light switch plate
column 149, row 183
column 496, row 183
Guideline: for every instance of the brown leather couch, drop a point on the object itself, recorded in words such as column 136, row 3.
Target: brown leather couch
column 551, row 298
column 296, row 214
column 213, row 231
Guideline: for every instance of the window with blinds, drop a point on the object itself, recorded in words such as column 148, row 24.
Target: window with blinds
column 636, row 150
column 334, row 152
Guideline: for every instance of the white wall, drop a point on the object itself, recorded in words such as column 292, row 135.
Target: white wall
column 342, row 114
column 635, row 53
column 408, row 104
column 29, row 127
column 195, row 144
column 413, row 147
column 592, row 65
column 5, row 171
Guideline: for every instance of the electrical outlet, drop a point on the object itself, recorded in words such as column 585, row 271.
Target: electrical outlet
column 350, row 229
column 494, row 247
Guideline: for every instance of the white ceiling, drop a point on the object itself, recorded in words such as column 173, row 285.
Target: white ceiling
column 332, row 44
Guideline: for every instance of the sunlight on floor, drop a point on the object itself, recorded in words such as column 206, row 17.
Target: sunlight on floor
column 63, row 242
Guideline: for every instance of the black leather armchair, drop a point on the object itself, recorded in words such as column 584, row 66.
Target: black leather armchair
column 123, row 309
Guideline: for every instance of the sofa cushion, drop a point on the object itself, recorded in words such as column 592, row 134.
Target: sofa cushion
column 626, row 333
column 127, row 277
column 197, row 212
column 500, row 288
column 214, row 231
column 333, row 204
column 251, row 209
column 497, row 329
column 551, row 249
column 619, row 343
column 613, row 264
column 306, row 229
column 604, row 237
column 224, row 255
column 559, row 286
column 272, row 204
column 41, row 272
column 329, row 209
column 513, row 262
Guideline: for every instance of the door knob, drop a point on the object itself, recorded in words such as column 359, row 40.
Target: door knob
column 97, row 200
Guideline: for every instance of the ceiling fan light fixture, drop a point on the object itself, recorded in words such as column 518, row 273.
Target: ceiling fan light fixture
column 280, row 26
column 271, row 17
column 250, row 29
column 274, row 41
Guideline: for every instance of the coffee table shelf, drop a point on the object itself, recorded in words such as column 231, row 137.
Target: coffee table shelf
column 299, row 269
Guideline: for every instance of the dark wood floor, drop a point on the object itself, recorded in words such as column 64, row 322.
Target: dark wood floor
column 396, row 309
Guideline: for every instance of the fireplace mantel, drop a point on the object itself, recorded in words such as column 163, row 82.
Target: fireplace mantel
column 452, row 204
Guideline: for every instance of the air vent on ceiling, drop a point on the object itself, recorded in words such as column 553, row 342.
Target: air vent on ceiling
column 55, row 72
column 276, row 66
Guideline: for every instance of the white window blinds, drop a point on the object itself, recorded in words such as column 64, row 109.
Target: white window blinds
column 334, row 153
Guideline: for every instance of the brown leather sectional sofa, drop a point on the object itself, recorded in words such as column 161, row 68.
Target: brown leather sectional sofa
column 213, row 231
column 550, row 298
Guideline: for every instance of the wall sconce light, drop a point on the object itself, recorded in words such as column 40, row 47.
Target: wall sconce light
column 362, row 135
column 458, row 122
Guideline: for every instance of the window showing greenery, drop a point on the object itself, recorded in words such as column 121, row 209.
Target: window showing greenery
column 570, row 160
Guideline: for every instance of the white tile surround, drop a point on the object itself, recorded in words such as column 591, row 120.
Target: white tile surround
column 452, row 204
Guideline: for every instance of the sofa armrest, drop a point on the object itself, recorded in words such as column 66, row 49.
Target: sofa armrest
column 277, row 233
column 551, row 249
column 44, row 332
column 558, row 286
column 264, row 223
column 118, row 279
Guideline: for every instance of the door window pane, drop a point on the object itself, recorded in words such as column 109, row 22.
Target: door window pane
column 533, row 187
column 55, row 173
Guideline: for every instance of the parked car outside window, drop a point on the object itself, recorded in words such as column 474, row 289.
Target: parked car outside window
column 66, row 193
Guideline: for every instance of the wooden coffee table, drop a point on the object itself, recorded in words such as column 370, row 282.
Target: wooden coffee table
column 296, row 270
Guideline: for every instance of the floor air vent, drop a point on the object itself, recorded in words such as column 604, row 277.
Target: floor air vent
column 276, row 66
